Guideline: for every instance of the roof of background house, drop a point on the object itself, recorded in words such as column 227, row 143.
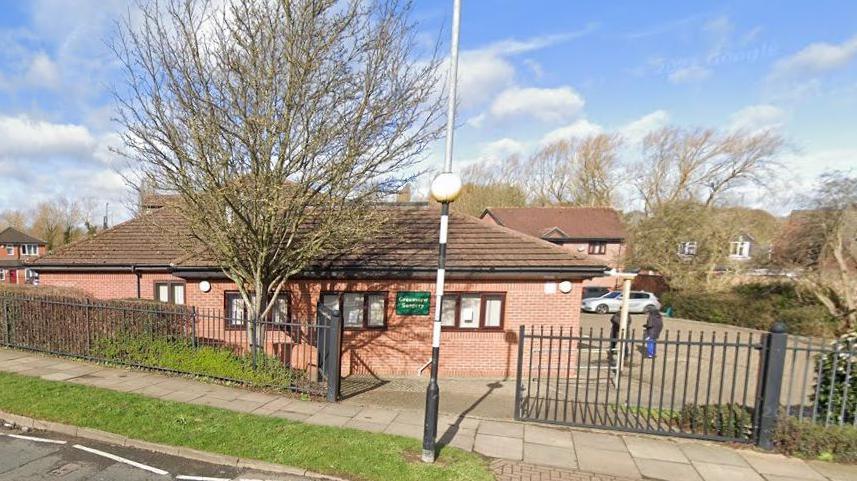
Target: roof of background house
column 561, row 223
column 6, row 263
column 10, row 235
column 409, row 243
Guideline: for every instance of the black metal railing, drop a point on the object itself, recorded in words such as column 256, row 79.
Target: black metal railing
column 710, row 385
column 820, row 380
column 698, row 385
column 291, row 355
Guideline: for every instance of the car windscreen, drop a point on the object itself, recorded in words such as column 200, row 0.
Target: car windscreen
column 612, row 295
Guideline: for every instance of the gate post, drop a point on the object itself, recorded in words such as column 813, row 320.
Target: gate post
column 7, row 322
column 193, row 319
column 519, row 383
column 770, row 383
column 333, row 357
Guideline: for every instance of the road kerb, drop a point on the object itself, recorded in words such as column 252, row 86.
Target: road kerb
column 204, row 456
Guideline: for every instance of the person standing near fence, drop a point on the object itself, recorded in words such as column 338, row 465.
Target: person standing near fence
column 615, row 325
column 654, row 326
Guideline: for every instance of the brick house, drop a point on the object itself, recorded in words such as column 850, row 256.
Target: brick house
column 16, row 249
column 497, row 280
column 594, row 234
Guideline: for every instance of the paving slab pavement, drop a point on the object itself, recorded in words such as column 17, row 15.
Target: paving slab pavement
column 528, row 451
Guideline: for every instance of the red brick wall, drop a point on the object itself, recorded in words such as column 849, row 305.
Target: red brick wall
column 613, row 257
column 405, row 345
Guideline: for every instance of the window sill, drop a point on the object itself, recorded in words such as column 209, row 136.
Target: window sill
column 472, row 329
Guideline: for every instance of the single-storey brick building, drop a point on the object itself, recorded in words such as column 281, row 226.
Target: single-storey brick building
column 497, row 280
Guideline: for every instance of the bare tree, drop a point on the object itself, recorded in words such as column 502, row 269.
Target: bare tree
column 475, row 198
column 657, row 240
column 14, row 218
column 700, row 165
column 549, row 175
column 59, row 221
column 583, row 172
column 821, row 242
column 279, row 124
column 597, row 175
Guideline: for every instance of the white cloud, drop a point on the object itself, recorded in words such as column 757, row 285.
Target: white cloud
column 758, row 117
column 693, row 73
column 23, row 136
column 43, row 72
column 547, row 105
column 536, row 68
column 817, row 58
column 636, row 130
column 501, row 149
column 579, row 128
column 484, row 72
column 515, row 46
column 480, row 76
column 34, row 154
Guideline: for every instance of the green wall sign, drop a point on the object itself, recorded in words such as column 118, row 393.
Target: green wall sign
column 412, row 303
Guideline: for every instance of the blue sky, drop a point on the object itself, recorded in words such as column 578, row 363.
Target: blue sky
column 530, row 71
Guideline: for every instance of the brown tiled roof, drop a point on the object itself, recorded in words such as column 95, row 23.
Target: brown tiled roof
column 558, row 223
column 10, row 235
column 153, row 239
column 409, row 244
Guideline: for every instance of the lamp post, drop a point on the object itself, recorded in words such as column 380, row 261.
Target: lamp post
column 444, row 188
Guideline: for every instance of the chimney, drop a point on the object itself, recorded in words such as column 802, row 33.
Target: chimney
column 404, row 194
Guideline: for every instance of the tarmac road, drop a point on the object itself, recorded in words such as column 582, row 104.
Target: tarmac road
column 64, row 460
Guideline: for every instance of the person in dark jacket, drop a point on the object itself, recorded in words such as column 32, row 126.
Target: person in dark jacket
column 654, row 326
column 615, row 325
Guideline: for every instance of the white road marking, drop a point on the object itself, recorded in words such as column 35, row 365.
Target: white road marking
column 38, row 440
column 122, row 460
column 201, row 478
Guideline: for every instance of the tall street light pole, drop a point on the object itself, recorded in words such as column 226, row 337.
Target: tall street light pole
column 445, row 188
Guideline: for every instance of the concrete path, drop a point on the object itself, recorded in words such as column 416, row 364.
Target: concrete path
column 523, row 451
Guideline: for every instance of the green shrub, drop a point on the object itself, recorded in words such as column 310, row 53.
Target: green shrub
column 180, row 355
column 726, row 420
column 837, row 382
column 756, row 306
column 811, row 440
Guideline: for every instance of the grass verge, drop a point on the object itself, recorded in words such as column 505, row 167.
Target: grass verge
column 341, row 452
column 181, row 356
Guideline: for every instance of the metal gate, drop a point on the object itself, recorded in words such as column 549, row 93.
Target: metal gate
column 700, row 385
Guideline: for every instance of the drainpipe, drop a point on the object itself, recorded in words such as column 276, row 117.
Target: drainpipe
column 139, row 278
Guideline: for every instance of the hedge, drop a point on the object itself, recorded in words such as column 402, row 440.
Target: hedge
column 836, row 382
column 806, row 439
column 756, row 306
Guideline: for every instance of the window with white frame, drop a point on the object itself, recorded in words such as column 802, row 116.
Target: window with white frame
column 29, row 250
column 360, row 310
column 472, row 310
column 10, row 250
column 2, row 274
column 237, row 311
column 687, row 248
column 170, row 292
column 739, row 249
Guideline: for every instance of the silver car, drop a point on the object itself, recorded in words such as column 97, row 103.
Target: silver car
column 640, row 301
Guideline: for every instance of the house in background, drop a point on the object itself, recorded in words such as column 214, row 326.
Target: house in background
column 16, row 248
column 596, row 234
column 497, row 280
column 741, row 248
